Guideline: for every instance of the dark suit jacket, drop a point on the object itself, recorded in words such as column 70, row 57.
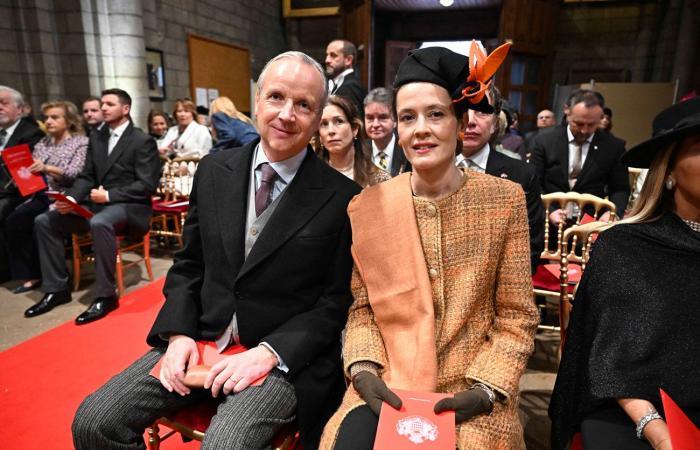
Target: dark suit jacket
column 130, row 173
column 27, row 132
column 399, row 163
column 353, row 91
column 293, row 289
column 602, row 173
column 502, row 166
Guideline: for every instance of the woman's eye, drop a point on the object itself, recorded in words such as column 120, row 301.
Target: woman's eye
column 435, row 114
column 405, row 117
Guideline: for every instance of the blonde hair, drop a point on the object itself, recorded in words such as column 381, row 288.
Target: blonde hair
column 226, row 106
column 74, row 121
column 654, row 199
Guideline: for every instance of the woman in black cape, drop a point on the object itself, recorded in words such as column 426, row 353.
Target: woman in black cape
column 634, row 325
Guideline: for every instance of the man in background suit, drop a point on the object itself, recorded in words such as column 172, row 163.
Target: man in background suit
column 14, row 130
column 266, row 264
column 477, row 155
column 380, row 126
column 341, row 56
column 578, row 157
column 121, row 173
column 92, row 115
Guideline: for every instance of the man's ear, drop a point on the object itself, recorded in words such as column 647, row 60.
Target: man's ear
column 349, row 62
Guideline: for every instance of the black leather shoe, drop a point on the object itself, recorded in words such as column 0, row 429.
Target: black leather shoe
column 21, row 289
column 99, row 308
column 48, row 302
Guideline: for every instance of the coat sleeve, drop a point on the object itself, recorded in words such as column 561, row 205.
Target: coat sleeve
column 87, row 178
column 618, row 181
column 363, row 341
column 535, row 218
column 539, row 159
column 146, row 174
column 502, row 357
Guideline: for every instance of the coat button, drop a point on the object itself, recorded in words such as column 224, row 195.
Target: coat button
column 431, row 210
column 253, row 231
column 433, row 273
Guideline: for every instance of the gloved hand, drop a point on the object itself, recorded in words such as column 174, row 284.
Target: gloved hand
column 374, row 391
column 465, row 404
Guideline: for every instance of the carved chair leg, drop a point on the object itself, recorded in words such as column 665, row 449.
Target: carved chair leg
column 120, row 272
column 153, row 437
column 147, row 255
column 76, row 264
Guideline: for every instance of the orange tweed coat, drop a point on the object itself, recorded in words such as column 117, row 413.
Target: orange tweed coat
column 476, row 248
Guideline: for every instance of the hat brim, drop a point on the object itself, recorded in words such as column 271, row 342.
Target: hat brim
column 642, row 155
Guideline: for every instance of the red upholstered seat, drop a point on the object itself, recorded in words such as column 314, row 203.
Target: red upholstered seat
column 547, row 277
column 577, row 442
column 163, row 208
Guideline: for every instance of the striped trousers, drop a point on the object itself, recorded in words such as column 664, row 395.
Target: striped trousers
column 116, row 415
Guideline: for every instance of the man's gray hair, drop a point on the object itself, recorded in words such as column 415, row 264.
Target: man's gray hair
column 379, row 95
column 586, row 96
column 305, row 59
column 15, row 94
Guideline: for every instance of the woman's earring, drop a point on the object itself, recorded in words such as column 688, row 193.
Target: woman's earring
column 670, row 183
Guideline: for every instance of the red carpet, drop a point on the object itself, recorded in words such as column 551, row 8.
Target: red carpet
column 43, row 380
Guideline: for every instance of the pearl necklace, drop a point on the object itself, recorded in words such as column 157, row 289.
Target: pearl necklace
column 695, row 226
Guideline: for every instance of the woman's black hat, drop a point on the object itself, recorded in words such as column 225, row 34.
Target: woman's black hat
column 671, row 125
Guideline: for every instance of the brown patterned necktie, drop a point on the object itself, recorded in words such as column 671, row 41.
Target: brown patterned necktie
column 383, row 160
column 576, row 167
column 263, row 196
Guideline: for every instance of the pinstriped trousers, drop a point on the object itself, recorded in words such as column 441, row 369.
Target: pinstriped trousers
column 116, row 415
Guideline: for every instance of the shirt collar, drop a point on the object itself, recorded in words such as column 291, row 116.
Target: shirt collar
column 340, row 78
column 479, row 158
column 119, row 130
column 11, row 129
column 389, row 149
column 570, row 135
column 286, row 169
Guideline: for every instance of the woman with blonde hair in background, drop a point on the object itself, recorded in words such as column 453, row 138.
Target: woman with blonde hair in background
column 633, row 326
column 230, row 127
column 343, row 146
column 59, row 157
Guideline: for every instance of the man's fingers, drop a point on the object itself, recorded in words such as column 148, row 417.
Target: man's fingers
column 446, row 404
column 243, row 383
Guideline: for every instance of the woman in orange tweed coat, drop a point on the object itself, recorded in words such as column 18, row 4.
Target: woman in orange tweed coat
column 443, row 295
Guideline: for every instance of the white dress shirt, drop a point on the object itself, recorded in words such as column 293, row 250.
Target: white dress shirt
column 478, row 160
column 573, row 148
column 114, row 136
column 389, row 151
column 336, row 82
column 286, row 171
column 8, row 133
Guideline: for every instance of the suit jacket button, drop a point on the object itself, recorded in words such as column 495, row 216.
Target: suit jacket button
column 253, row 231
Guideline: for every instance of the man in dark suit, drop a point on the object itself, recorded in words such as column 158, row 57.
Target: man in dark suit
column 478, row 155
column 14, row 130
column 578, row 157
column 121, row 173
column 380, row 126
column 266, row 264
column 92, row 115
column 341, row 56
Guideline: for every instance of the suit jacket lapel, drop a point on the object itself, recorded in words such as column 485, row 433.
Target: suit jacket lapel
column 303, row 198
column 100, row 144
column 231, row 187
column 398, row 159
column 119, row 148
column 590, row 161
column 563, row 157
column 494, row 165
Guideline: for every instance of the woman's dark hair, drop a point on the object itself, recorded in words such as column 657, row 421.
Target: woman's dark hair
column 155, row 113
column 362, row 164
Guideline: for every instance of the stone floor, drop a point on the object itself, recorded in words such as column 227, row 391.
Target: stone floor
column 536, row 384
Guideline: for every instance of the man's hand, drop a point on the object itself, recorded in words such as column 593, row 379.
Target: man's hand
column 557, row 216
column 181, row 353
column 465, row 404
column 237, row 372
column 98, row 195
column 374, row 391
column 37, row 166
column 63, row 207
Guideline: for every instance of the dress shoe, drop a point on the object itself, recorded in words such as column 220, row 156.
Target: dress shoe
column 99, row 308
column 21, row 289
column 48, row 302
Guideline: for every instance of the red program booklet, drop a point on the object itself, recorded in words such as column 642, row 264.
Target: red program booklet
column 79, row 210
column 415, row 425
column 684, row 434
column 208, row 356
column 18, row 159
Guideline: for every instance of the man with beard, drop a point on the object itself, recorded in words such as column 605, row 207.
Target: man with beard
column 341, row 56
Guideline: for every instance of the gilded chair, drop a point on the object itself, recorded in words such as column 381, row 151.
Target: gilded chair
column 575, row 251
column 170, row 208
column 583, row 208
column 634, row 174
column 81, row 244
column 192, row 422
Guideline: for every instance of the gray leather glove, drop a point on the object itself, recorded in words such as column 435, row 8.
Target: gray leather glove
column 374, row 391
column 465, row 404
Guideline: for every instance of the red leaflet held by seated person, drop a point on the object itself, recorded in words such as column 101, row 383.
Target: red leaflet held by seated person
column 18, row 159
column 79, row 210
column 415, row 425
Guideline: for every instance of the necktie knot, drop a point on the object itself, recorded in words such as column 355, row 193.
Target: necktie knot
column 383, row 160
column 268, row 173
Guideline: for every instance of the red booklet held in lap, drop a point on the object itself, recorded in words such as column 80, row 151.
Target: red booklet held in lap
column 18, row 159
column 77, row 209
column 415, row 425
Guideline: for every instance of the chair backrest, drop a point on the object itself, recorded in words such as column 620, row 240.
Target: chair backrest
column 575, row 248
column 576, row 204
column 176, row 181
column 634, row 174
